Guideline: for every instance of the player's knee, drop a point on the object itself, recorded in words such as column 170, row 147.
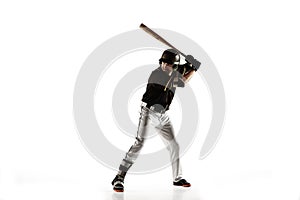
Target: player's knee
column 139, row 141
column 175, row 146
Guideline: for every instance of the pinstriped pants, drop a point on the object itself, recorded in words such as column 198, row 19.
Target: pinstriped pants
column 162, row 124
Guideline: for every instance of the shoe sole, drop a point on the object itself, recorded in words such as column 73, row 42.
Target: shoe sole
column 187, row 185
column 118, row 190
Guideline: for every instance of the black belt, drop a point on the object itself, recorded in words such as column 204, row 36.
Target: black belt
column 156, row 108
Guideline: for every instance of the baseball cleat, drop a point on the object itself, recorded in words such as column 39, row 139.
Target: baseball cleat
column 118, row 183
column 182, row 182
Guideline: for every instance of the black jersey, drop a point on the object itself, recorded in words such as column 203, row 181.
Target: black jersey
column 160, row 89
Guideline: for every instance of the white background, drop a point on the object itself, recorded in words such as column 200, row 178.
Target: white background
column 255, row 46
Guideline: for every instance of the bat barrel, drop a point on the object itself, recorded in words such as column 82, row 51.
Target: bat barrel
column 159, row 38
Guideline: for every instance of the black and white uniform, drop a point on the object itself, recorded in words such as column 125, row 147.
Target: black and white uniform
column 156, row 101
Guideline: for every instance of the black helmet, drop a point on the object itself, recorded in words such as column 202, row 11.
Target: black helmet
column 170, row 56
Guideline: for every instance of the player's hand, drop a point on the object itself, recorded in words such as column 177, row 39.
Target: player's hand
column 195, row 64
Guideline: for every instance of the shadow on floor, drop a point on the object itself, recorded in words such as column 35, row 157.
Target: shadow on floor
column 175, row 194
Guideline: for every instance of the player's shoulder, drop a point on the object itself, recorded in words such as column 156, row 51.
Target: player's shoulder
column 156, row 75
column 157, row 71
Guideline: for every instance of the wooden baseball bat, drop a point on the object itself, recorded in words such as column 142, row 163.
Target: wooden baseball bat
column 159, row 38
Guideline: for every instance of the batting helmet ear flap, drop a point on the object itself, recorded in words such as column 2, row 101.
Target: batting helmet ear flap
column 175, row 67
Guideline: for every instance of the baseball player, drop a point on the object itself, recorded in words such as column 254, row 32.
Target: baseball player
column 156, row 101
